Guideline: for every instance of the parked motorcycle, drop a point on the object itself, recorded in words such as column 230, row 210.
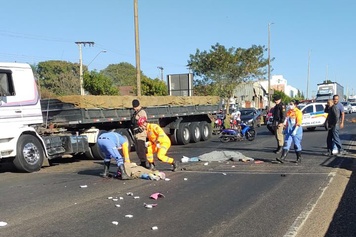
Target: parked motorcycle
column 243, row 132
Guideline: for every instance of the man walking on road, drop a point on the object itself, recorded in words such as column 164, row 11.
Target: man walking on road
column 332, row 121
column 338, row 149
column 278, row 120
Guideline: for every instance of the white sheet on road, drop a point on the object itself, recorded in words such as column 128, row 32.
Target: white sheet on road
column 223, row 156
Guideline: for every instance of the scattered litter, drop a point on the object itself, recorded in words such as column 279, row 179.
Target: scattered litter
column 233, row 166
column 117, row 205
column 185, row 179
column 154, row 228
column 110, row 197
column 121, row 198
column 206, row 163
column 115, row 222
column 184, row 159
column 129, row 216
column 149, row 206
column 115, row 199
column 258, row 162
column 224, row 173
column 129, row 194
column 167, row 179
column 156, row 196
column 136, row 197
column 3, row 223
column 283, row 175
column 194, row 159
column 83, row 186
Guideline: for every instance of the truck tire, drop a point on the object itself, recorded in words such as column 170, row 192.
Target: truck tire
column 30, row 154
column 205, row 130
column 195, row 134
column 125, row 134
column 95, row 150
column 183, row 135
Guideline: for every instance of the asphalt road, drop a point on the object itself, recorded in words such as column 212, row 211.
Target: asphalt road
column 225, row 198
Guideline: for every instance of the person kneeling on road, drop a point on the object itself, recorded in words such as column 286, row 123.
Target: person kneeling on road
column 111, row 143
column 158, row 142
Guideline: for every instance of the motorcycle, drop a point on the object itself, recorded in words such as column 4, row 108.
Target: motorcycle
column 243, row 132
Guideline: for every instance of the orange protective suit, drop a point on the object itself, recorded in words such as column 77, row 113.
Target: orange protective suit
column 158, row 143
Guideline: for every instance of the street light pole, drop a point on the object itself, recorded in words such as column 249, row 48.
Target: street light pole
column 137, row 50
column 102, row 51
column 269, row 65
column 161, row 68
column 80, row 43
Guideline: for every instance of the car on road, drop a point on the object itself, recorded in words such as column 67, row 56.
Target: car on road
column 251, row 116
column 269, row 121
column 313, row 115
column 347, row 107
column 353, row 105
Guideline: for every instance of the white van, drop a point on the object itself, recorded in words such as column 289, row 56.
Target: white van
column 313, row 115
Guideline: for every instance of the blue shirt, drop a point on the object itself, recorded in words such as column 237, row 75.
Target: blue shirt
column 115, row 137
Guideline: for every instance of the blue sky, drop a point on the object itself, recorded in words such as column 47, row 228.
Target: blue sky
column 38, row 30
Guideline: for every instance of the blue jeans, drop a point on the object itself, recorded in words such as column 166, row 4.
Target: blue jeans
column 336, row 137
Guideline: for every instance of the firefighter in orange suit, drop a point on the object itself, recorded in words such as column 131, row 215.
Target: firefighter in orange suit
column 158, row 142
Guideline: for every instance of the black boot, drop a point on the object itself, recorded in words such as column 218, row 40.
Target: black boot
column 175, row 166
column 144, row 164
column 278, row 150
column 105, row 174
column 299, row 157
column 283, row 156
column 124, row 175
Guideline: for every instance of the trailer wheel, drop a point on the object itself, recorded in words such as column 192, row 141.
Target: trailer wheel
column 205, row 130
column 125, row 134
column 194, row 130
column 95, row 149
column 30, row 154
column 183, row 135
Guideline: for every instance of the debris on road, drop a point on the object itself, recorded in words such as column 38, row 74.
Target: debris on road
column 154, row 228
column 3, row 223
column 129, row 194
column 83, row 186
column 156, row 196
column 129, row 216
column 115, row 222
column 149, row 206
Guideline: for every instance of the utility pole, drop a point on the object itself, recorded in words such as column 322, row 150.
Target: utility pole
column 80, row 43
column 137, row 50
column 308, row 75
column 269, row 65
column 161, row 68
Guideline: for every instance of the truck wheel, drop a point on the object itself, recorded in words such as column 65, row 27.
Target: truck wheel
column 125, row 134
column 205, row 130
column 95, row 149
column 195, row 134
column 30, row 154
column 183, row 135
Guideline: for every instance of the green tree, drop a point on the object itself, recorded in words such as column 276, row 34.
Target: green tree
column 223, row 69
column 59, row 77
column 98, row 84
column 154, row 87
column 122, row 74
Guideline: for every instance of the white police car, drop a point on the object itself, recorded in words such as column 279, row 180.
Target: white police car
column 313, row 115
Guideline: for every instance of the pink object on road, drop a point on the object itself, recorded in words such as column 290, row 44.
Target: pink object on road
column 156, row 196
